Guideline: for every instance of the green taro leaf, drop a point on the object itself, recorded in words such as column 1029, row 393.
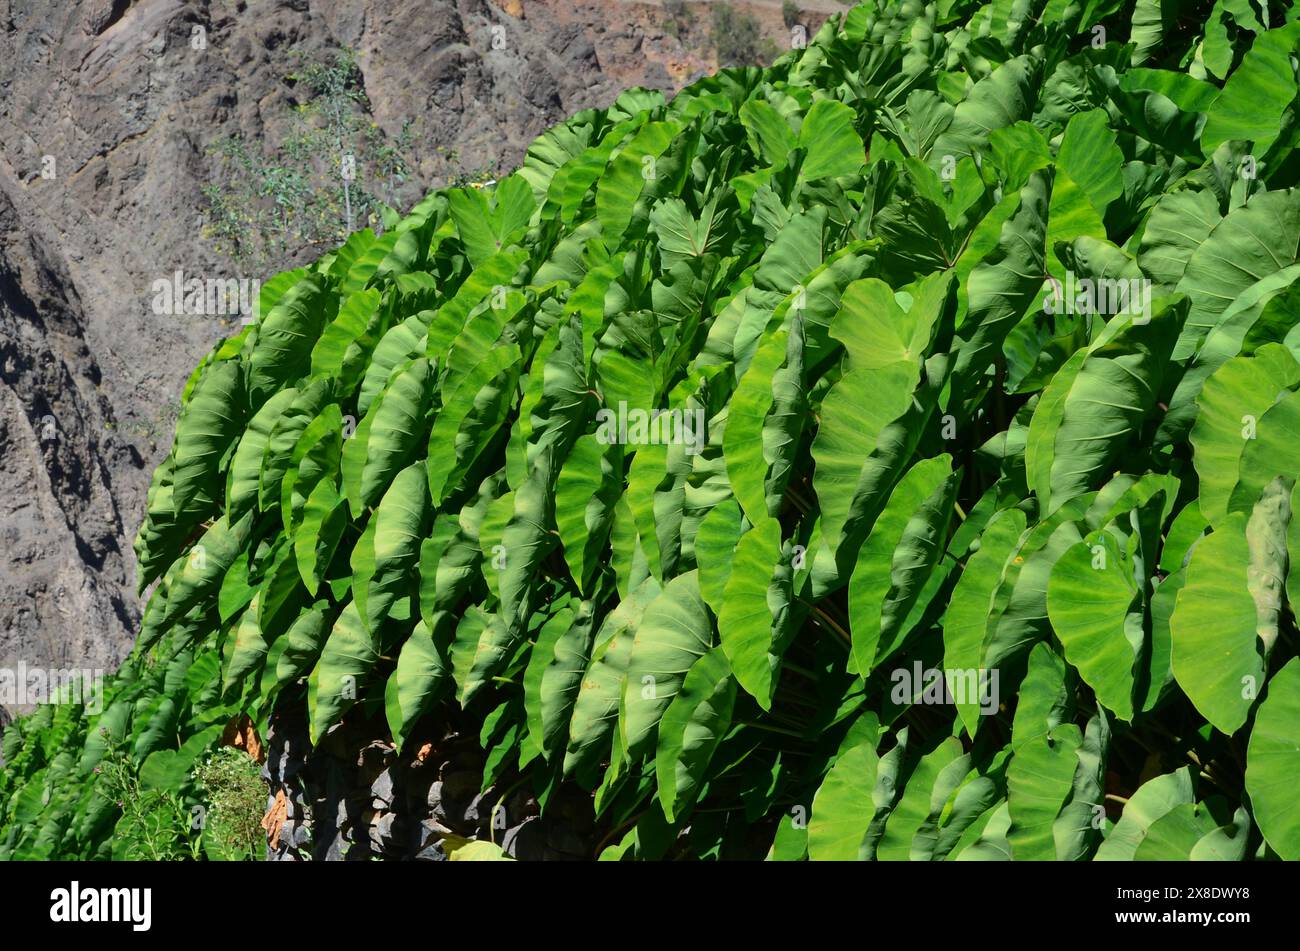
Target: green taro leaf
column 968, row 611
column 209, row 425
column 1115, row 388
column 753, row 602
column 1216, row 659
column 1095, row 607
column 1272, row 759
column 286, row 336
column 1155, row 799
column 423, row 667
column 833, row 146
column 388, row 436
column 1229, row 410
column 674, row 633
column 336, row 682
column 691, row 729
column 842, row 809
column 897, row 558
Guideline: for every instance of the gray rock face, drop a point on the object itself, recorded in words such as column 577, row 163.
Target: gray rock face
column 65, row 581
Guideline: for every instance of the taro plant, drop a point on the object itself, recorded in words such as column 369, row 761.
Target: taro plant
column 886, row 454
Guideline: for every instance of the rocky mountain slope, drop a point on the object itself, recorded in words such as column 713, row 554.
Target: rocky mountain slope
column 108, row 110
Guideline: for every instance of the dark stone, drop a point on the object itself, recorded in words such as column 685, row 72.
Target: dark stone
column 431, row 853
column 382, row 789
column 382, row 832
column 526, row 841
column 354, row 797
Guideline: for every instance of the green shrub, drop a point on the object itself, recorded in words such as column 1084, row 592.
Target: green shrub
column 738, row 38
column 679, row 17
column 334, row 171
column 975, row 348
column 232, row 787
column 153, row 825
